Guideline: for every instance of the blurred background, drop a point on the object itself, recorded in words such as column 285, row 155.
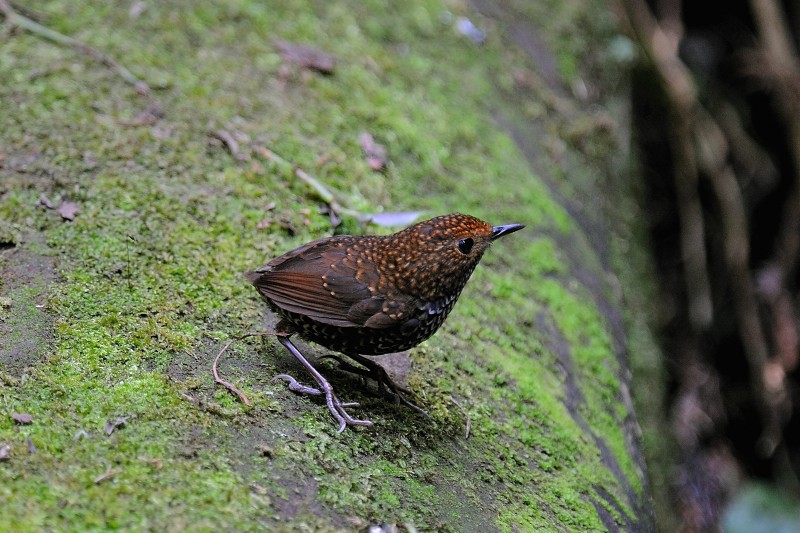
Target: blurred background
column 716, row 124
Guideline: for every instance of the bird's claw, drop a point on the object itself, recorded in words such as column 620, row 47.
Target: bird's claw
column 337, row 410
column 294, row 386
column 386, row 386
column 335, row 406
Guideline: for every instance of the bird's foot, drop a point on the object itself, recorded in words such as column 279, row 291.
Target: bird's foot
column 399, row 398
column 373, row 370
column 295, row 386
column 335, row 406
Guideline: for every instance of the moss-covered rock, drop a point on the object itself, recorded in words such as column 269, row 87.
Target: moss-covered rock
column 142, row 289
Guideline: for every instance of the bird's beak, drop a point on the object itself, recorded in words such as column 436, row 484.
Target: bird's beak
column 499, row 231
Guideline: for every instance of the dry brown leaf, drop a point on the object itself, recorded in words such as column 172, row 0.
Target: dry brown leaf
column 22, row 418
column 306, row 56
column 105, row 476
column 374, row 152
column 119, row 422
column 68, row 210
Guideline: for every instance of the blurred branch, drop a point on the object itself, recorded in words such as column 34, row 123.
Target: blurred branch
column 778, row 64
column 750, row 211
column 331, row 197
column 679, row 88
column 13, row 18
column 320, row 190
column 714, row 156
column 700, row 147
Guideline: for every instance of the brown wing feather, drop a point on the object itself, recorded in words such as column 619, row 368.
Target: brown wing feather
column 320, row 281
column 305, row 251
column 304, row 294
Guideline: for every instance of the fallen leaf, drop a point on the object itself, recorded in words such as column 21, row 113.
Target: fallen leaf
column 22, row 418
column 147, row 117
column 306, row 56
column 68, row 210
column 45, row 201
column 374, row 152
column 465, row 27
column 105, row 476
column 119, row 422
column 395, row 219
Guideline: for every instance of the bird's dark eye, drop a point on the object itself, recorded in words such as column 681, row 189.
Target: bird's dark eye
column 465, row 245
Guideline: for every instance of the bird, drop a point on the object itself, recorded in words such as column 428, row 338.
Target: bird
column 368, row 295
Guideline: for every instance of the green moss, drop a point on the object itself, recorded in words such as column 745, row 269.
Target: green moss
column 150, row 279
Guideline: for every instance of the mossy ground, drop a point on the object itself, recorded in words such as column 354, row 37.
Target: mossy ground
column 150, row 287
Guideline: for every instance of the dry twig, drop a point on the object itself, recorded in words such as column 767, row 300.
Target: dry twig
column 707, row 152
column 227, row 384
column 13, row 18
column 680, row 90
column 466, row 415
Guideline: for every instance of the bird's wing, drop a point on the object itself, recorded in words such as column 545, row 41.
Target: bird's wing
column 321, row 281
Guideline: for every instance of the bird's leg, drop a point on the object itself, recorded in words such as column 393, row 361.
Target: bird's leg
column 378, row 373
column 295, row 386
column 371, row 372
column 336, row 407
column 347, row 367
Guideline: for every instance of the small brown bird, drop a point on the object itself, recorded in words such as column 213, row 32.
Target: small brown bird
column 372, row 295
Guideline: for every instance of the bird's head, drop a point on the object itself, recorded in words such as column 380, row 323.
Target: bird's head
column 440, row 254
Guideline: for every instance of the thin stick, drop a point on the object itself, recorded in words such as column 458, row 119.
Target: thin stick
column 21, row 21
column 681, row 93
column 466, row 415
column 322, row 191
column 214, row 372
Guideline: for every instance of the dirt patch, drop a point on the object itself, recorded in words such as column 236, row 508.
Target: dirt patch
column 26, row 329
